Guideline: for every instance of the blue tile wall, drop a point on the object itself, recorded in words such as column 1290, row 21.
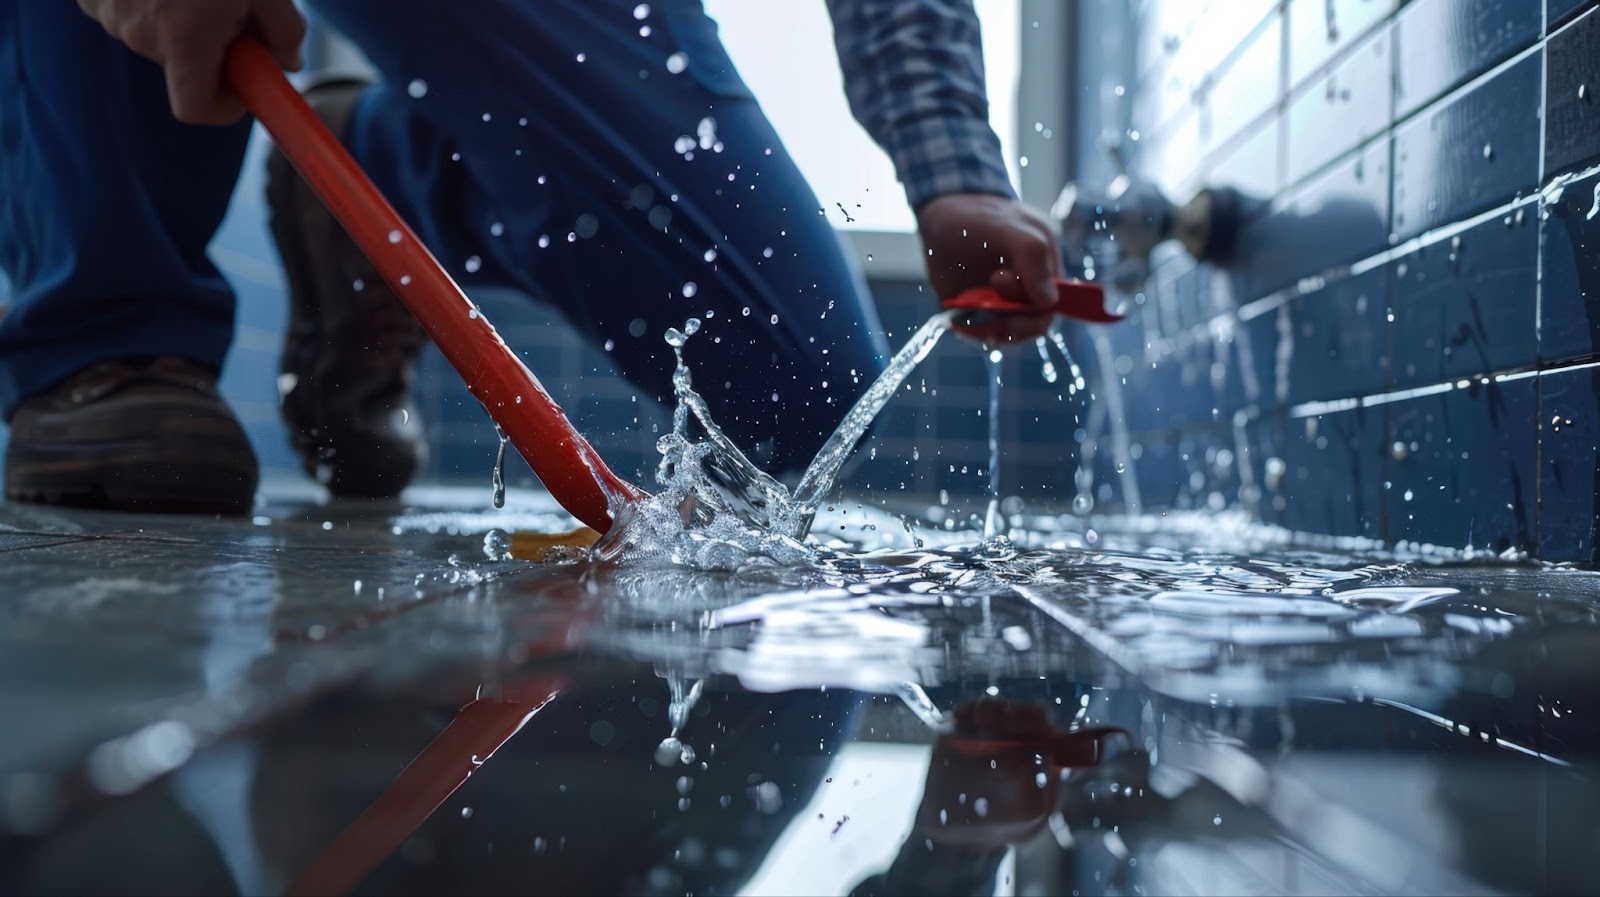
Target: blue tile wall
column 1558, row 11
column 1406, row 342
column 1234, row 97
column 1319, row 30
column 1467, row 304
column 1322, row 473
column 1572, row 135
column 1569, row 259
column 1441, row 43
column 1569, row 475
column 1336, row 112
column 1462, row 467
column 1468, row 152
column 1335, row 341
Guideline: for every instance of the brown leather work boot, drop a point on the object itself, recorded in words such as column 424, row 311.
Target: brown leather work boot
column 132, row 435
column 349, row 359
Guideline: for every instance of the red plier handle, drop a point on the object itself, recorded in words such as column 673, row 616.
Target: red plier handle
column 1075, row 299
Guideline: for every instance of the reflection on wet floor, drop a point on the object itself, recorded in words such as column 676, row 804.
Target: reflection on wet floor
column 362, row 699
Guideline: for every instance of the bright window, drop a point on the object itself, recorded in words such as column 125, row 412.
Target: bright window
column 785, row 52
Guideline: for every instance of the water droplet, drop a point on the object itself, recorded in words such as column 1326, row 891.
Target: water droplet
column 498, row 478
column 711, row 255
column 689, row 289
column 544, row 241
column 669, row 752
column 472, row 314
column 677, row 62
column 767, row 252
column 610, row 344
column 418, row 88
column 473, row 264
column 405, row 280
column 394, row 236
column 1082, row 503
column 466, row 812
column 496, row 229
column 487, row 116
column 642, row 11
column 1488, row 151
column 583, row 57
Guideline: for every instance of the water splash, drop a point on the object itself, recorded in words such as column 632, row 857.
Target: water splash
column 714, row 503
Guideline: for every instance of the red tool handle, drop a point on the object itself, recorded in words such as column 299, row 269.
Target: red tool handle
column 564, row 461
column 1074, row 299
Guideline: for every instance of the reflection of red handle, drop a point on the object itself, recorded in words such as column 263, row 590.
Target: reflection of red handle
column 534, row 423
column 1074, row 299
column 1064, row 749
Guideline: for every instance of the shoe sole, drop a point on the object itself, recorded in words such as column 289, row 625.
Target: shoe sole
column 132, row 476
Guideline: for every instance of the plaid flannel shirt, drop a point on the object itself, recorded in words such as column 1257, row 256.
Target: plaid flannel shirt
column 913, row 72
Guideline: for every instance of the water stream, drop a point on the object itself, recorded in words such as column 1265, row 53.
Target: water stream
column 994, row 524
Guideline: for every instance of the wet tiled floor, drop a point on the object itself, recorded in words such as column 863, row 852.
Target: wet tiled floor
column 356, row 699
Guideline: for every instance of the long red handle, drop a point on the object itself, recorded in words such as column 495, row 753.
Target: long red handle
column 564, row 461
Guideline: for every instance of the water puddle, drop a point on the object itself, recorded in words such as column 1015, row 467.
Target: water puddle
column 727, row 572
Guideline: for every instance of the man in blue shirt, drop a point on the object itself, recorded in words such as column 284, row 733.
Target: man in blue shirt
column 603, row 156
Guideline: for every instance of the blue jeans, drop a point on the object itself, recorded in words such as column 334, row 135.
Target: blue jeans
column 542, row 146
